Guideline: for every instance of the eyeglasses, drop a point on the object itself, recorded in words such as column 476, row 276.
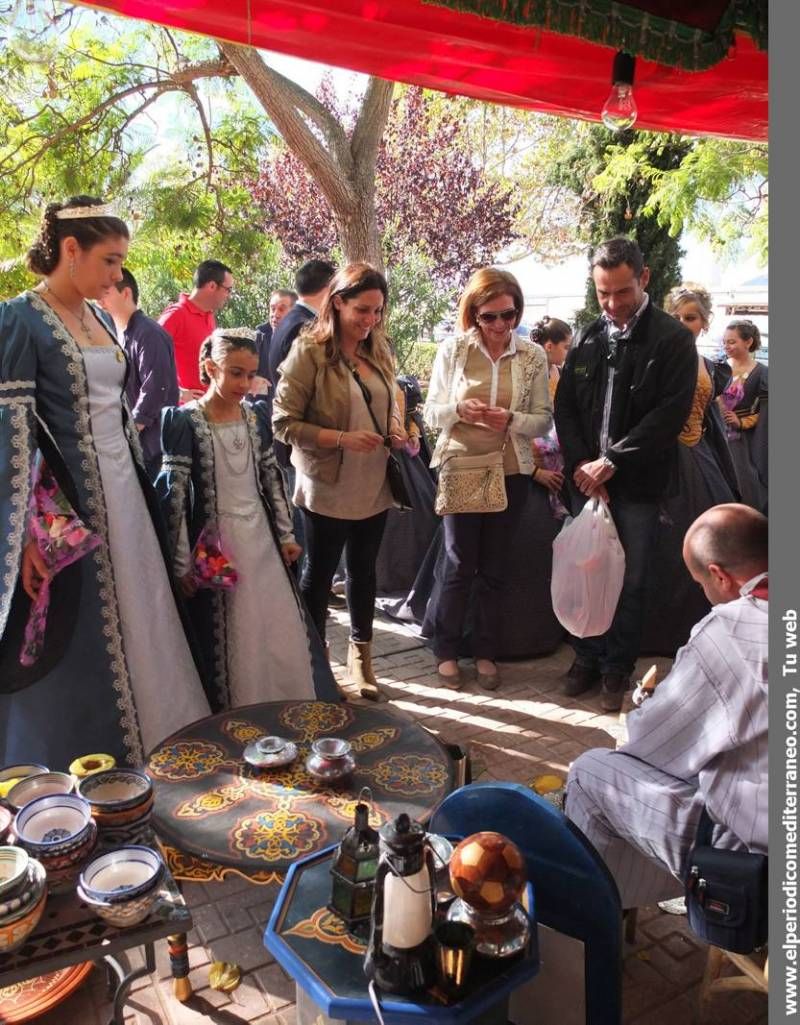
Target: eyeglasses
column 505, row 315
column 228, row 288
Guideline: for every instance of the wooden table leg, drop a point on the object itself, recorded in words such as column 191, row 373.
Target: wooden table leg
column 178, row 947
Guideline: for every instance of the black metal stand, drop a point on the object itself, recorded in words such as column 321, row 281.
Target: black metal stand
column 120, row 982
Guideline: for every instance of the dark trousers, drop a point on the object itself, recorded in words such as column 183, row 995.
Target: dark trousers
column 477, row 550
column 326, row 537
column 617, row 649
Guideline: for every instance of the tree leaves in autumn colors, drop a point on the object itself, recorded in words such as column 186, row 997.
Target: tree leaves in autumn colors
column 432, row 197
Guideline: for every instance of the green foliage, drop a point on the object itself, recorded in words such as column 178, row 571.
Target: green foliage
column 719, row 190
column 416, row 305
column 614, row 197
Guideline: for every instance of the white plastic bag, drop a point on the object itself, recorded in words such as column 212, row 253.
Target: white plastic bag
column 588, row 567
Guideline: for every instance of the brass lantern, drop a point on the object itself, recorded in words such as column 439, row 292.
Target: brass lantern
column 353, row 870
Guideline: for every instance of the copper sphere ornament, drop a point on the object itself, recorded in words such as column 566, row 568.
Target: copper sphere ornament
column 488, row 874
column 487, row 870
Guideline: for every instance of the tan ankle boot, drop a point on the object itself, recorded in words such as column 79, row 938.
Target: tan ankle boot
column 359, row 670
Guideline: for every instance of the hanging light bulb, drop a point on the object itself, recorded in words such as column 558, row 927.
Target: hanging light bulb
column 619, row 111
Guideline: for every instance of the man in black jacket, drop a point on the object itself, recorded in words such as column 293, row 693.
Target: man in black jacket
column 624, row 395
column 311, row 282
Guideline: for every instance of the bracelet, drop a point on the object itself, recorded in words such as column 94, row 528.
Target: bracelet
column 339, row 439
column 535, row 471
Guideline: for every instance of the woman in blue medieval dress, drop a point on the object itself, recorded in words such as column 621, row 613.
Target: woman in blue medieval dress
column 116, row 673
column 220, row 484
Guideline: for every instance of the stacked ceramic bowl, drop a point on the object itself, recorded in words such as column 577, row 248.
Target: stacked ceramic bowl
column 60, row 832
column 41, row 785
column 10, row 775
column 23, row 892
column 121, row 802
column 122, row 886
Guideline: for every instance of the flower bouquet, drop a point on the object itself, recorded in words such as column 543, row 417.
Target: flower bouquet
column 62, row 538
column 731, row 398
column 211, row 567
column 548, row 455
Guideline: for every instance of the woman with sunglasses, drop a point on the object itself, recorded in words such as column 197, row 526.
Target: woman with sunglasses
column 336, row 385
column 488, row 393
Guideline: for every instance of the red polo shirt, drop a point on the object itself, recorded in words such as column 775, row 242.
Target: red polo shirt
column 189, row 326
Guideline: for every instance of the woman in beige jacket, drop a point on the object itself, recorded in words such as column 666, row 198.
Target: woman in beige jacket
column 488, row 387
column 336, row 384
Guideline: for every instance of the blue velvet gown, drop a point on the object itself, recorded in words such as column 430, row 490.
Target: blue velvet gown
column 116, row 674
column 249, row 618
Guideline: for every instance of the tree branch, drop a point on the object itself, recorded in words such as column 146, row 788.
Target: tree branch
column 371, row 122
column 284, row 101
column 195, row 96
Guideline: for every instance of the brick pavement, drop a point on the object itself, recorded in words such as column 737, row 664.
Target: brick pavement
column 524, row 729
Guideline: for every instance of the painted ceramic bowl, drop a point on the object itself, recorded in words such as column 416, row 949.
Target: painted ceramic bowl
column 34, row 883
column 14, row 934
column 53, row 825
column 12, row 906
column 114, row 791
column 87, row 764
column 14, row 862
column 64, row 868
column 123, row 914
column 10, row 775
column 6, row 818
column 41, row 785
column 122, row 875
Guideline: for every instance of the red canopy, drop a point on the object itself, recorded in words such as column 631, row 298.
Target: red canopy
column 409, row 41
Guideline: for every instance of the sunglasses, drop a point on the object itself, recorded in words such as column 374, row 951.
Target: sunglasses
column 505, row 315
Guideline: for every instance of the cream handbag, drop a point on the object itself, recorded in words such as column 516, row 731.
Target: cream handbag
column 472, row 484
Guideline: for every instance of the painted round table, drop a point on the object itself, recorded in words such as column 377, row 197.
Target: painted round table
column 215, row 814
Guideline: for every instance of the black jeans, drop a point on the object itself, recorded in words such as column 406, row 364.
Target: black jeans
column 477, row 551
column 325, row 539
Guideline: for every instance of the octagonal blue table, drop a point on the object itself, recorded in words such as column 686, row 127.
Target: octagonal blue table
column 326, row 963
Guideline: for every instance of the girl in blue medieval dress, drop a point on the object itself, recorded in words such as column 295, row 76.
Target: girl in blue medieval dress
column 220, row 479
column 116, row 673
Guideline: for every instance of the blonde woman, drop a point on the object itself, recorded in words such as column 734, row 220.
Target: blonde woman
column 488, row 388
column 336, row 385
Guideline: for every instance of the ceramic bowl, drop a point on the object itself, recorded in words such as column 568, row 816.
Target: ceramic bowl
column 63, row 868
column 53, row 825
column 14, row 934
column 123, row 914
column 122, row 875
column 14, row 863
column 10, row 775
column 6, row 818
column 116, row 790
column 33, row 881
column 41, row 785
column 87, row 764
column 34, row 885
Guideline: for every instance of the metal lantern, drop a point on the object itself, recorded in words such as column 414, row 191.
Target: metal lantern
column 353, row 871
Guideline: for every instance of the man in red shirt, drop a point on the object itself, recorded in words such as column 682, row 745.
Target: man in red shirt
column 190, row 320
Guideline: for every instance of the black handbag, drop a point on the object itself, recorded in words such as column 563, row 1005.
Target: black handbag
column 394, row 472
column 726, row 894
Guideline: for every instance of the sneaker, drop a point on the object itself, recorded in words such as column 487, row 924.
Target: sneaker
column 613, row 692
column 675, row 906
column 578, row 679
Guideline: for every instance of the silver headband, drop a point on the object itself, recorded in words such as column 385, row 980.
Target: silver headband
column 70, row 213
column 234, row 332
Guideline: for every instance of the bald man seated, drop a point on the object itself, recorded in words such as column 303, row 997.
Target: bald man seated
column 701, row 739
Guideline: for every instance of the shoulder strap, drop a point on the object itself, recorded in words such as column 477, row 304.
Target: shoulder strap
column 367, row 396
column 705, row 828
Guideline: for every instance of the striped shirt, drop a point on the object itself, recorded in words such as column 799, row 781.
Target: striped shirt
column 707, row 721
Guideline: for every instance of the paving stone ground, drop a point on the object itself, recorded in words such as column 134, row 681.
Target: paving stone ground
column 524, row 729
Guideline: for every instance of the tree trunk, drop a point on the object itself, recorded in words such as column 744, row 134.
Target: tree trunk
column 343, row 168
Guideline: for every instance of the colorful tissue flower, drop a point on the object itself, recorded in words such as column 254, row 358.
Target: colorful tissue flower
column 211, row 567
column 731, row 398
column 62, row 538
